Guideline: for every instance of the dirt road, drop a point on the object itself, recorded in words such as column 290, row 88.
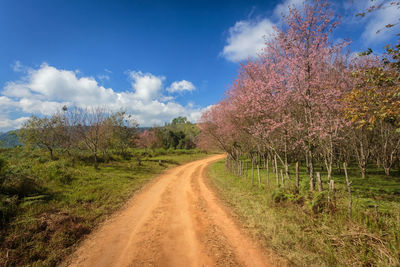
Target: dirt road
column 176, row 220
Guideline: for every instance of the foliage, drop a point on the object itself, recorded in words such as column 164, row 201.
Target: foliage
column 314, row 232
column 375, row 96
column 179, row 134
column 304, row 99
column 93, row 129
column 379, row 6
column 42, row 132
column 40, row 227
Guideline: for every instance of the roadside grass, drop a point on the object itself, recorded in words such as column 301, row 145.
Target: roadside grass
column 65, row 199
column 308, row 230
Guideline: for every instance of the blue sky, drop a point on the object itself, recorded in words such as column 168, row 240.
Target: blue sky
column 155, row 59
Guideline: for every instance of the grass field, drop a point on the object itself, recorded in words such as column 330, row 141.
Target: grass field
column 63, row 200
column 307, row 230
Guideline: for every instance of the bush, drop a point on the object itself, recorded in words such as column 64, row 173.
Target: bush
column 319, row 202
column 2, row 171
column 278, row 196
column 54, row 171
column 8, row 208
column 21, row 186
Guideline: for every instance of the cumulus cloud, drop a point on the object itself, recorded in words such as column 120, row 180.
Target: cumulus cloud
column 45, row 90
column 51, row 84
column 181, row 86
column 372, row 22
column 146, row 85
column 247, row 39
column 283, row 8
column 376, row 21
column 8, row 124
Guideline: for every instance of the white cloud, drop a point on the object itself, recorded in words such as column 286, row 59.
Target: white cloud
column 7, row 124
column 17, row 66
column 45, row 90
column 147, row 86
column 103, row 77
column 51, row 84
column 247, row 39
column 283, row 8
column 181, row 86
column 377, row 20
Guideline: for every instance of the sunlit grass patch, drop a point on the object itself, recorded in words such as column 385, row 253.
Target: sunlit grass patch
column 303, row 230
column 43, row 226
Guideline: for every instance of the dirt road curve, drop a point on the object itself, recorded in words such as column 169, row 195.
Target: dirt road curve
column 174, row 221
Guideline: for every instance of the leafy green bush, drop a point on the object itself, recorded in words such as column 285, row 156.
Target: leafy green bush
column 2, row 170
column 54, row 171
column 319, row 202
column 278, row 195
column 21, row 186
column 8, row 208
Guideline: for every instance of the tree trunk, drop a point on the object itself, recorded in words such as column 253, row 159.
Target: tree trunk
column 363, row 171
column 51, row 153
column 312, row 183
column 319, row 182
column 387, row 170
column 286, row 161
column 276, row 173
column 267, row 170
column 307, row 163
column 258, row 174
column 282, row 178
column 348, row 184
column 252, row 171
column 95, row 159
column 287, row 170
column 246, row 170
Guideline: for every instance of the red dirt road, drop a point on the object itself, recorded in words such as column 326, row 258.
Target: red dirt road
column 176, row 220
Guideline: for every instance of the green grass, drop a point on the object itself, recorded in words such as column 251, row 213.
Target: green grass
column 71, row 198
column 307, row 230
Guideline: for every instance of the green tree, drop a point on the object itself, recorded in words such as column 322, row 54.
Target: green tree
column 42, row 132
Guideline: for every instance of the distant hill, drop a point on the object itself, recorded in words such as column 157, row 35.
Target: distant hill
column 9, row 139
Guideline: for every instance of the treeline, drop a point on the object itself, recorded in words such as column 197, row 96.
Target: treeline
column 71, row 131
column 306, row 100
column 179, row 134
column 101, row 133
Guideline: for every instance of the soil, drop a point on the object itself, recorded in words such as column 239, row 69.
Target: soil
column 176, row 220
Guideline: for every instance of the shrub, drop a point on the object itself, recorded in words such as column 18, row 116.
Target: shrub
column 8, row 208
column 21, row 186
column 319, row 202
column 2, row 171
column 54, row 171
column 278, row 195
